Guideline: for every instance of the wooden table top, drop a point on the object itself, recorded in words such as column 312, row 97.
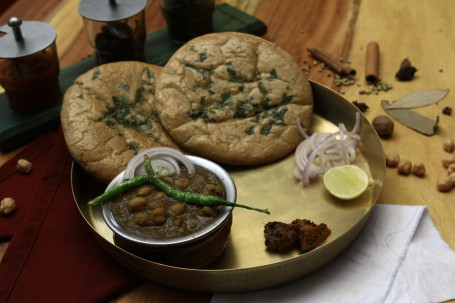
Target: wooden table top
column 422, row 31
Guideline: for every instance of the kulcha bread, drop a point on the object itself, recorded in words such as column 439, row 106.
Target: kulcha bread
column 234, row 98
column 109, row 114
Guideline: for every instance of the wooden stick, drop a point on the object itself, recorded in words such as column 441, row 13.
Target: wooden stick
column 372, row 62
column 334, row 64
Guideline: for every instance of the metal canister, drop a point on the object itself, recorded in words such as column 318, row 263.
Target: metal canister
column 115, row 29
column 29, row 66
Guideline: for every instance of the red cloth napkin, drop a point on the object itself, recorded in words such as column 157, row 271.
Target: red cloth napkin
column 53, row 255
column 22, row 187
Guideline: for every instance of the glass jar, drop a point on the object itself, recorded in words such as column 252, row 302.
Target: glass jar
column 115, row 29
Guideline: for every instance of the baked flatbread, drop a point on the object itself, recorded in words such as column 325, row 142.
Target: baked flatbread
column 109, row 114
column 234, row 98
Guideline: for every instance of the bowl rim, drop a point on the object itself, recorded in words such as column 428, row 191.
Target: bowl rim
column 231, row 195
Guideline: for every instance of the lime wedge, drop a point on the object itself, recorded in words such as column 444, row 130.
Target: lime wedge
column 346, row 182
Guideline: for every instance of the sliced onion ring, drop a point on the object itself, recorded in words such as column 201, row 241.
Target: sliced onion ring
column 159, row 156
column 330, row 149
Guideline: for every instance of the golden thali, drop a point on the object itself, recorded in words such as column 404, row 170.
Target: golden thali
column 246, row 264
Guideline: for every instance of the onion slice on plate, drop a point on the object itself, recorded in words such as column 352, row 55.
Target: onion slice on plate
column 164, row 160
column 321, row 151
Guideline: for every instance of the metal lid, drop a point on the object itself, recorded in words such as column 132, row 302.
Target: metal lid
column 110, row 10
column 21, row 39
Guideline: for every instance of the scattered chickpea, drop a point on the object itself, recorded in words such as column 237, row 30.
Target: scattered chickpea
column 405, row 167
column 444, row 184
column 24, row 166
column 7, row 206
column 447, row 162
column 392, row 160
column 448, row 145
column 451, row 168
column 418, row 169
column 452, row 177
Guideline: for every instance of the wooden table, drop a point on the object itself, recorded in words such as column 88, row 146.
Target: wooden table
column 422, row 31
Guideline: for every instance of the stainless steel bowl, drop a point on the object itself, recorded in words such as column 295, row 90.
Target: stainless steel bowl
column 193, row 250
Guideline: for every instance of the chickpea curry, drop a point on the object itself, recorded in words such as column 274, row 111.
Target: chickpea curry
column 150, row 213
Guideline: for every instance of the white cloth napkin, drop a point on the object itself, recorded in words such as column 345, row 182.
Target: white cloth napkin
column 398, row 257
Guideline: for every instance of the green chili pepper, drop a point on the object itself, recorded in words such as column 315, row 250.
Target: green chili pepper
column 125, row 186
column 190, row 198
column 186, row 197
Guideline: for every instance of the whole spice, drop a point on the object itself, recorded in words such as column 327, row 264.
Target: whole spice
column 361, row 106
column 334, row 64
column 372, row 63
column 343, row 81
column 406, row 71
column 405, row 167
column 420, row 98
column 412, row 119
column 418, row 169
column 7, row 206
column 24, row 166
column 376, row 88
column 447, row 111
column 392, row 160
column 383, row 125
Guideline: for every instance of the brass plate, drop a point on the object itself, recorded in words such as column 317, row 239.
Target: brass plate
column 246, row 264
